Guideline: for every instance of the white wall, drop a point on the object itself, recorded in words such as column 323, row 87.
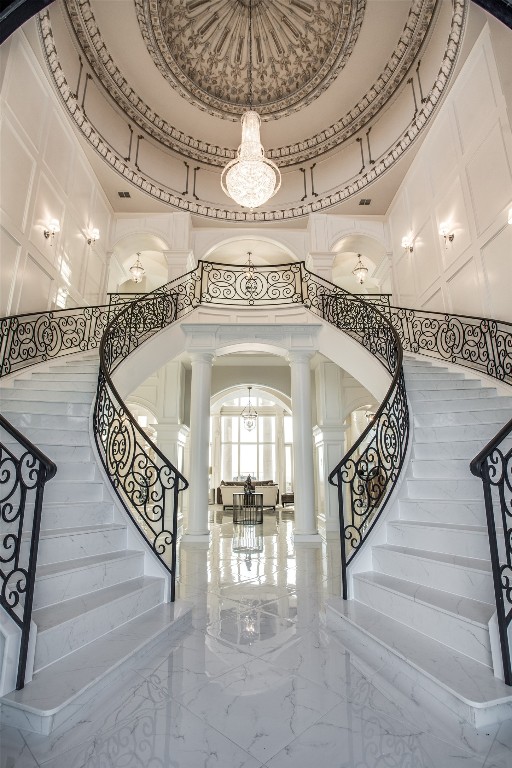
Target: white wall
column 45, row 175
column 462, row 175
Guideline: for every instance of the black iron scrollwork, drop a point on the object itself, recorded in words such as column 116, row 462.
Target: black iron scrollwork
column 224, row 284
column 494, row 466
column 475, row 342
column 24, row 470
column 368, row 472
column 34, row 338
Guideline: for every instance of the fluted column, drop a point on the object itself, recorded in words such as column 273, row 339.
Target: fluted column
column 199, row 443
column 304, row 496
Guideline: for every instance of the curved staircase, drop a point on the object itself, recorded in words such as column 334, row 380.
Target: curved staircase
column 97, row 603
column 428, row 599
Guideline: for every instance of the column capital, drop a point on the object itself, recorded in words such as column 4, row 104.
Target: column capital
column 201, row 356
column 300, row 355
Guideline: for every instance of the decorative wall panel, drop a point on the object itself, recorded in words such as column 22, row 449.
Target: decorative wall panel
column 465, row 290
column 490, row 178
column 18, row 168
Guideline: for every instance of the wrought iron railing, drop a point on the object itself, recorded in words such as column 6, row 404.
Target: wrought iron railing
column 145, row 481
column 494, row 466
column 24, row 470
column 33, row 338
column 475, row 342
column 368, row 472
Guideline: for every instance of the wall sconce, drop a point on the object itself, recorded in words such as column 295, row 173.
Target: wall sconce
column 94, row 235
column 408, row 243
column 448, row 235
column 51, row 230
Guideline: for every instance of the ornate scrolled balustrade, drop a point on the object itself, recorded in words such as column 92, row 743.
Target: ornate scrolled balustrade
column 475, row 342
column 493, row 466
column 367, row 474
column 40, row 336
column 24, row 471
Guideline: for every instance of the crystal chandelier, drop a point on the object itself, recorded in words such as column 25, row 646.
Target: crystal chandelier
column 360, row 271
column 249, row 415
column 137, row 271
column 251, row 178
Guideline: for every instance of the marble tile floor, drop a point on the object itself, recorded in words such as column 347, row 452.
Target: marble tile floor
column 260, row 681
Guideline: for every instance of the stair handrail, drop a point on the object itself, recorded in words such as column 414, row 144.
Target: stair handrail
column 23, row 476
column 480, row 343
column 145, row 481
column 368, row 472
column 493, row 465
column 36, row 337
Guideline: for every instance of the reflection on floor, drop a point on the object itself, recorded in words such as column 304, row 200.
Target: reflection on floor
column 259, row 680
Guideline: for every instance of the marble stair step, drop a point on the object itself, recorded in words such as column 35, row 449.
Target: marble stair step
column 463, row 404
column 436, row 511
column 76, row 514
column 418, row 396
column 458, row 449
column 468, row 489
column 451, row 469
column 73, row 375
column 74, row 491
column 71, row 471
column 59, row 409
column 57, row 582
column 43, row 436
column 71, row 624
column 420, row 666
column 24, row 420
column 442, row 384
column 428, row 374
column 46, row 395
column 62, row 690
column 82, row 541
column 55, row 385
column 459, row 622
column 465, row 540
column 460, row 433
column 75, row 367
column 466, row 576
column 498, row 416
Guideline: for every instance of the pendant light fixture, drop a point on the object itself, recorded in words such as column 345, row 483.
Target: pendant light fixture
column 251, row 179
column 360, row 271
column 137, row 271
column 250, row 282
column 249, row 415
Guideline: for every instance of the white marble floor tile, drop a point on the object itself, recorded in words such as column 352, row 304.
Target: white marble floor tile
column 252, row 631
column 168, row 736
column 358, row 737
column 500, row 754
column 14, row 752
column 260, row 707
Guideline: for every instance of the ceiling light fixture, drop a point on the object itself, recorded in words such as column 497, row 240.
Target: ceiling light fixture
column 250, row 282
column 249, row 415
column 137, row 271
column 251, row 179
column 360, row 271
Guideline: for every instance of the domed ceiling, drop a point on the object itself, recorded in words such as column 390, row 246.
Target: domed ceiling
column 344, row 89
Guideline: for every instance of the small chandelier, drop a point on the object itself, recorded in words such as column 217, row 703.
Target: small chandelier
column 251, row 178
column 251, row 284
column 360, row 271
column 249, row 415
column 137, row 271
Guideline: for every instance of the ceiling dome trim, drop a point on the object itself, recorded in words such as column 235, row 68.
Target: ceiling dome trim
column 420, row 16
column 201, row 50
column 346, row 189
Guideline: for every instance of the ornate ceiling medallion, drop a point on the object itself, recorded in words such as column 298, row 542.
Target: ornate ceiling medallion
column 201, row 48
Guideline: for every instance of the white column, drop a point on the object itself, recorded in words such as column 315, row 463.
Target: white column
column 199, row 443
column 304, row 496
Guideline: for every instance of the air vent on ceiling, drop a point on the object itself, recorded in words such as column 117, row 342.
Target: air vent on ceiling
column 124, row 194
column 364, row 201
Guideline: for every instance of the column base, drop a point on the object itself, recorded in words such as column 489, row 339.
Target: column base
column 196, row 538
